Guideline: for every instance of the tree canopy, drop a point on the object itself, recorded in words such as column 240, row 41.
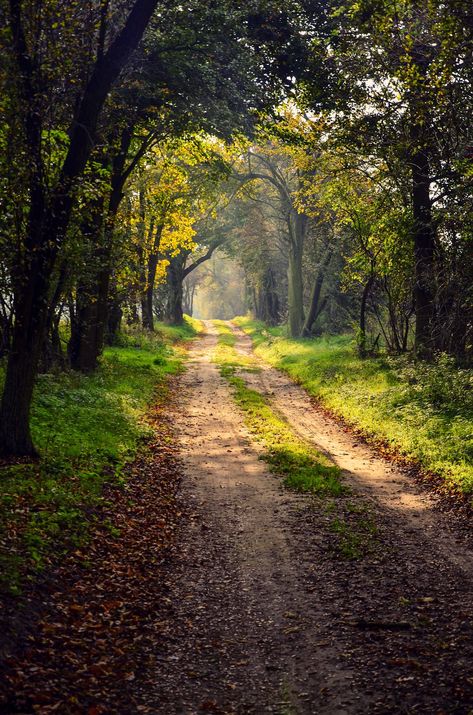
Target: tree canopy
column 322, row 147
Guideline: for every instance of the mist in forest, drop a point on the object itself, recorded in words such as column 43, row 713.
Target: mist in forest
column 216, row 290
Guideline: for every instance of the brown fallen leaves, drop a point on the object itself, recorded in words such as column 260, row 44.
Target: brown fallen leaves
column 96, row 624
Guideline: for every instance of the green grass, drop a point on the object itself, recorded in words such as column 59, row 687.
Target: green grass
column 299, row 464
column 86, row 428
column 302, row 468
column 422, row 411
column 355, row 530
column 225, row 354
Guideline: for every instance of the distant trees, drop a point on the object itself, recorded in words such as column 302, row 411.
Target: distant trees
column 379, row 166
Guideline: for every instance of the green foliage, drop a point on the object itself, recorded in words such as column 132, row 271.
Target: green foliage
column 424, row 411
column 87, row 427
column 163, row 334
column 189, row 329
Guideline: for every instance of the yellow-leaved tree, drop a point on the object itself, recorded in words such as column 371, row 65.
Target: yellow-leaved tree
column 176, row 187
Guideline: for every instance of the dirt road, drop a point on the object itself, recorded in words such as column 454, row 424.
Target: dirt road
column 266, row 617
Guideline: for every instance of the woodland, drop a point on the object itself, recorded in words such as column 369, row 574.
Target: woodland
column 172, row 173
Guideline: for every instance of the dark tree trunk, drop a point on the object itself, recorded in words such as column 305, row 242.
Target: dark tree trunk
column 31, row 313
column 177, row 271
column 297, row 229
column 423, row 230
column 424, row 252
column 47, row 227
column 175, row 277
column 362, row 343
column 52, row 355
column 151, row 268
column 268, row 300
column 147, row 305
column 114, row 321
column 316, row 305
column 88, row 328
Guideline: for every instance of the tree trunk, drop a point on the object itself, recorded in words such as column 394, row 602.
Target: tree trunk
column 362, row 349
column 424, row 251
column 423, row 230
column 316, row 306
column 28, row 335
column 175, row 277
column 88, row 329
column 148, row 297
column 298, row 228
column 148, row 315
column 114, row 321
column 48, row 227
column 269, row 299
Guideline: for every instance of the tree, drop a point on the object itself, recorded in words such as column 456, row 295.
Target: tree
column 60, row 65
column 49, row 207
column 403, row 74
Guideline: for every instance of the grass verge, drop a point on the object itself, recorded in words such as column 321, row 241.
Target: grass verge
column 87, row 428
column 424, row 412
column 300, row 465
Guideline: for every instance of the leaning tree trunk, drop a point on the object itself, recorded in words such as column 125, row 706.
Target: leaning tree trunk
column 316, row 305
column 48, row 225
column 297, row 230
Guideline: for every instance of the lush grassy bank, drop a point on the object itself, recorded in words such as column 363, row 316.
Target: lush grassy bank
column 86, row 427
column 423, row 411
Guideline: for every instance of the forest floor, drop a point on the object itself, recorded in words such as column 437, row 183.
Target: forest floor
column 263, row 600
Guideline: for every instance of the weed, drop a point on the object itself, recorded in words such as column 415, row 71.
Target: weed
column 355, row 531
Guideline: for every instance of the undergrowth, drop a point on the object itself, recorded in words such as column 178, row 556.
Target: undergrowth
column 86, row 428
column 301, row 466
column 423, row 411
